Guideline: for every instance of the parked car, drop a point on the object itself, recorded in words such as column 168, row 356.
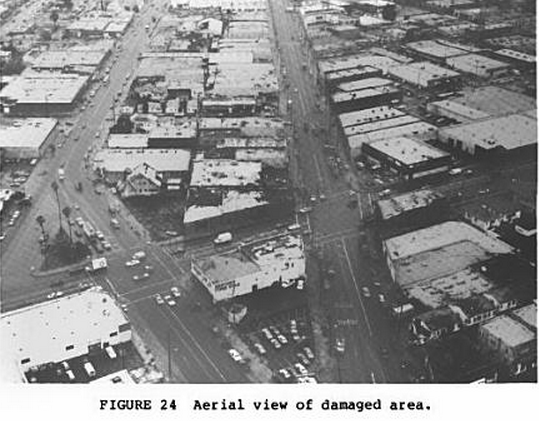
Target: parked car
column 366, row 292
column 169, row 300
column 159, row 299
column 260, row 349
column 235, row 355
column 175, row 292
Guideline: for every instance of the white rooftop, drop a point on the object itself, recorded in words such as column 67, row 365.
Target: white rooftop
column 356, row 85
column 460, row 109
column 509, row 132
column 421, row 73
column 132, row 140
column 420, row 128
column 408, row 151
column 252, row 258
column 441, row 235
column 25, row 133
column 406, row 202
column 162, row 160
column 369, row 115
column 44, row 88
column 436, row 49
column 508, row 331
column 527, row 314
column 476, row 64
column 225, row 173
column 357, row 60
column 233, row 201
column 381, row 124
column 516, row 55
column 40, row 332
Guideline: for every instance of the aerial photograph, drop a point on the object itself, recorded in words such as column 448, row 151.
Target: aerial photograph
column 268, row 191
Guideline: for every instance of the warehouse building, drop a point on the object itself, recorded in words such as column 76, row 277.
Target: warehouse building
column 427, row 75
column 364, row 93
column 376, row 131
column 438, row 50
column 479, row 103
column 334, row 78
column 478, row 65
column 57, row 330
column 407, row 157
column 116, row 164
column 493, row 136
column 25, row 138
column 513, row 337
column 438, row 251
column 225, row 173
column 412, row 208
column 277, row 261
column 42, row 94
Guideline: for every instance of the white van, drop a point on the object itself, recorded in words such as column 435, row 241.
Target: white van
column 89, row 368
column 111, row 352
column 224, row 237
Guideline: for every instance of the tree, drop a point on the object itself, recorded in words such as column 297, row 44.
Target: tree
column 54, row 17
column 67, row 213
column 40, row 219
column 55, row 187
column 389, row 12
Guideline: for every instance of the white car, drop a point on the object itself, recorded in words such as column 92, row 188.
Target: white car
column 276, row 344
column 267, row 334
column 131, row 263
column 170, row 301
column 366, row 292
column 235, row 355
column 300, row 369
column 282, row 339
column 285, row 374
column 308, row 352
column 175, row 292
column 300, row 284
column 158, row 299
column 260, row 349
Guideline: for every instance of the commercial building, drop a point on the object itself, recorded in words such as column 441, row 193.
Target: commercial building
column 127, row 141
column 479, row 103
column 277, row 261
column 400, row 126
column 438, row 50
column 77, row 59
column 334, row 78
column 210, row 205
column 513, row 337
column 225, row 173
column 494, row 135
column 42, row 94
column 439, row 250
column 25, row 138
column 407, row 157
column 412, row 207
column 117, row 164
column 365, row 93
column 59, row 330
column 427, row 75
column 478, row 65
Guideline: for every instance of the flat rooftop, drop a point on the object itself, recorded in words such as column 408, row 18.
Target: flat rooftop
column 44, row 88
column 25, row 133
column 251, row 143
column 363, row 93
column 231, row 201
column 457, row 286
column 381, row 124
column 251, row 258
column 435, row 49
column 350, row 73
column 357, row 85
column 476, row 64
column 356, row 61
column 495, row 101
column 465, row 111
column 245, row 79
column 421, row 73
column 225, row 173
column 42, row 331
column 128, row 141
column 162, row 160
column 408, row 151
column 509, row 331
column 72, row 57
column 413, row 129
column 368, row 115
column 516, row 55
column 402, row 203
column 440, row 250
column 527, row 314
column 508, row 132
column 247, row 126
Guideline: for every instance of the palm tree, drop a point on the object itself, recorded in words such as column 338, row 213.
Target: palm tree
column 67, row 213
column 55, row 187
column 40, row 219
